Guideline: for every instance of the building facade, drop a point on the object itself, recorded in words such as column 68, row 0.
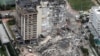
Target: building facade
column 27, row 18
column 95, row 18
column 35, row 17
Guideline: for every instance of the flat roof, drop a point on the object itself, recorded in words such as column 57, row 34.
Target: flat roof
column 28, row 5
column 3, row 35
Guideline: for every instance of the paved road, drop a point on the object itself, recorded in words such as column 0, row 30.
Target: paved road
column 95, row 2
column 10, row 12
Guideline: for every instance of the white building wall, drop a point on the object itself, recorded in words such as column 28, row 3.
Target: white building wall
column 95, row 18
column 24, row 28
column 39, row 20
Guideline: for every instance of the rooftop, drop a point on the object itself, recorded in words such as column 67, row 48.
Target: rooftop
column 28, row 5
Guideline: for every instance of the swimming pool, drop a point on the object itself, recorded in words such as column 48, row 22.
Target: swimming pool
column 97, row 41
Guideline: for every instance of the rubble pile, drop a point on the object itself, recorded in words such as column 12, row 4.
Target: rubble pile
column 61, row 28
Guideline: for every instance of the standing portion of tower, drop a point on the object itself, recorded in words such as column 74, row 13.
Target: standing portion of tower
column 27, row 19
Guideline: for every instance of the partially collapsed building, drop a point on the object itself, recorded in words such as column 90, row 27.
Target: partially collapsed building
column 27, row 20
column 49, row 18
column 35, row 17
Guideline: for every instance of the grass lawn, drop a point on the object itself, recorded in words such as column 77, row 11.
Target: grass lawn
column 81, row 4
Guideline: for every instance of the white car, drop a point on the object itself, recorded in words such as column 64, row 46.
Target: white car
column 29, row 47
column 30, row 50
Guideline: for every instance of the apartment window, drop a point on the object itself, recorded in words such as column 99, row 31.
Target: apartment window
column 33, row 37
column 26, row 22
column 29, row 36
column 34, row 23
column 33, row 29
column 34, row 17
column 29, row 31
column 25, row 31
column 98, row 23
column 25, row 35
column 30, row 15
column 25, row 16
column 34, row 14
column 29, row 22
column 98, row 28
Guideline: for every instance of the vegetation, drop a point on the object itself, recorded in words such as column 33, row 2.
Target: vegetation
column 85, row 51
column 10, row 46
column 11, row 22
column 11, row 49
column 91, row 39
column 2, row 50
column 0, row 16
column 81, row 4
column 7, row 7
column 0, row 22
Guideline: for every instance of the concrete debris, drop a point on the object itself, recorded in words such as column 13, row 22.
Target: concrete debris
column 60, row 30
